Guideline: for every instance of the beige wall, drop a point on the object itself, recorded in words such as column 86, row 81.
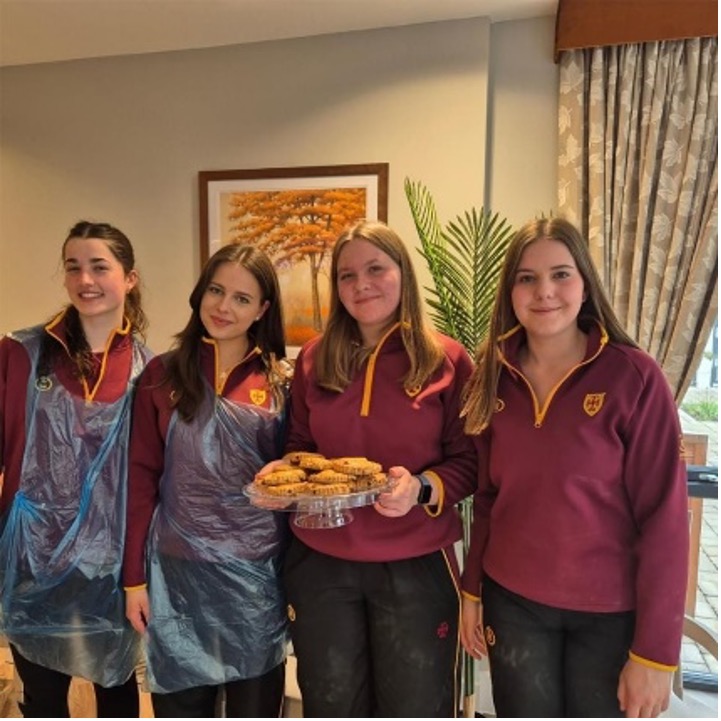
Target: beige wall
column 122, row 139
column 523, row 120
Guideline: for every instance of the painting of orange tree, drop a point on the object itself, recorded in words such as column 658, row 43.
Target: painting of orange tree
column 297, row 228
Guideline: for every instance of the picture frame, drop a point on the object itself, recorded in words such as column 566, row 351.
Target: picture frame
column 295, row 215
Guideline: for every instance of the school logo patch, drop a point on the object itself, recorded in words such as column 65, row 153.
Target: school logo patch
column 413, row 392
column 258, row 396
column 593, row 402
column 291, row 613
column 43, row 383
column 500, row 405
column 490, row 636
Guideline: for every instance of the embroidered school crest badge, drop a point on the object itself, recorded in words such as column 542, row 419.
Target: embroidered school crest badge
column 43, row 383
column 593, row 402
column 490, row 636
column 500, row 405
column 258, row 396
column 413, row 392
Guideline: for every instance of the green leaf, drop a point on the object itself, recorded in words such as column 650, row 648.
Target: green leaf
column 464, row 258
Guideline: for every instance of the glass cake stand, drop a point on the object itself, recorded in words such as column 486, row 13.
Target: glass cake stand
column 316, row 511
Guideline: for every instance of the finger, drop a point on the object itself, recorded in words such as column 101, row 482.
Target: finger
column 383, row 510
column 137, row 622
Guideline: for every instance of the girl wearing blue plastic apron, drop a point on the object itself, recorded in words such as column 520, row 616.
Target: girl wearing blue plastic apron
column 65, row 401
column 202, row 566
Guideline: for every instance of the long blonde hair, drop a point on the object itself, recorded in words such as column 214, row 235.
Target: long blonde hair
column 482, row 388
column 338, row 358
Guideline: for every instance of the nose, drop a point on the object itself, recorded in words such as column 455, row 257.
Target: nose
column 544, row 288
column 86, row 277
column 362, row 282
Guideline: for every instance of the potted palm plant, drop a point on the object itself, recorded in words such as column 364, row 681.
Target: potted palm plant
column 464, row 258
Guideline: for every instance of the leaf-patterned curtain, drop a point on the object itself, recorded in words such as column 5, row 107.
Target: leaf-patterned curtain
column 638, row 152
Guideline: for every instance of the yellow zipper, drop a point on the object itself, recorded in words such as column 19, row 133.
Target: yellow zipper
column 540, row 413
column 88, row 392
column 370, row 371
column 220, row 378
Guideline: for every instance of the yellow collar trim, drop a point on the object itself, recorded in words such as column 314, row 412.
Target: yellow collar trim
column 370, row 370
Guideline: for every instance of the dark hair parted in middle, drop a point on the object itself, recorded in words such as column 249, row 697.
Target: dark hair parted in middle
column 77, row 344
column 183, row 368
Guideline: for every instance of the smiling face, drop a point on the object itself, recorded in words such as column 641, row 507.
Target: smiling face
column 369, row 287
column 548, row 290
column 96, row 281
column 232, row 302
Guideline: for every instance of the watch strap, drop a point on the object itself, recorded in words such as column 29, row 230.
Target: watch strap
column 426, row 490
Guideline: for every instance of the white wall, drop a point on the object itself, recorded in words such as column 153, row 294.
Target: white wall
column 122, row 140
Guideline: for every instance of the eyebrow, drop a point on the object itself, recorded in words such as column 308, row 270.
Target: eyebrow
column 363, row 265
column 244, row 293
column 553, row 267
column 92, row 260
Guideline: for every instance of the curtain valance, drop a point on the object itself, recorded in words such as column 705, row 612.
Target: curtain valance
column 597, row 23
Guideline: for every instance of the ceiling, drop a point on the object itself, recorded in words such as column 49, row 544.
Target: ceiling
column 39, row 31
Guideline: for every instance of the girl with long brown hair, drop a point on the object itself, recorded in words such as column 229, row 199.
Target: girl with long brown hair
column 579, row 545
column 201, row 564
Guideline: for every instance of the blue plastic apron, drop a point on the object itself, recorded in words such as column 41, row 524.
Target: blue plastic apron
column 217, row 609
column 61, row 547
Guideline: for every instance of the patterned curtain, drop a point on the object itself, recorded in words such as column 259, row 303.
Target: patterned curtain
column 638, row 152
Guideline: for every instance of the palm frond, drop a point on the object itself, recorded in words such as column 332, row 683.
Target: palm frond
column 464, row 259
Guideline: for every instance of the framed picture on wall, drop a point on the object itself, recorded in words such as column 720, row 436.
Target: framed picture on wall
column 295, row 215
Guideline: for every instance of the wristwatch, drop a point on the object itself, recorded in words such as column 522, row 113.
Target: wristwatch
column 426, row 490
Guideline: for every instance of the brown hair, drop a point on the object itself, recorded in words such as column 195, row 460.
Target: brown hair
column 338, row 358
column 482, row 387
column 183, row 371
column 78, row 347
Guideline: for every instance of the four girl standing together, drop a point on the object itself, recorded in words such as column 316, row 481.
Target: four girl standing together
column 565, row 432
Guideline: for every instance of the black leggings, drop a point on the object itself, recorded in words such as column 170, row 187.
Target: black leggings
column 45, row 693
column 548, row 662
column 260, row 697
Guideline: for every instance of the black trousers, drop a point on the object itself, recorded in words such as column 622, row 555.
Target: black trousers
column 550, row 663
column 260, row 697
column 45, row 693
column 374, row 639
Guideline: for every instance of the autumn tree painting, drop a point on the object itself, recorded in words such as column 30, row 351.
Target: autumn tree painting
column 296, row 228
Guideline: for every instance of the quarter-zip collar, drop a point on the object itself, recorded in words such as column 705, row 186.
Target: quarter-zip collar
column 389, row 341
column 220, row 378
column 510, row 344
column 56, row 329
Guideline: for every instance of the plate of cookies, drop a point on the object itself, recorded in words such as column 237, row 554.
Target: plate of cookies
column 321, row 490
